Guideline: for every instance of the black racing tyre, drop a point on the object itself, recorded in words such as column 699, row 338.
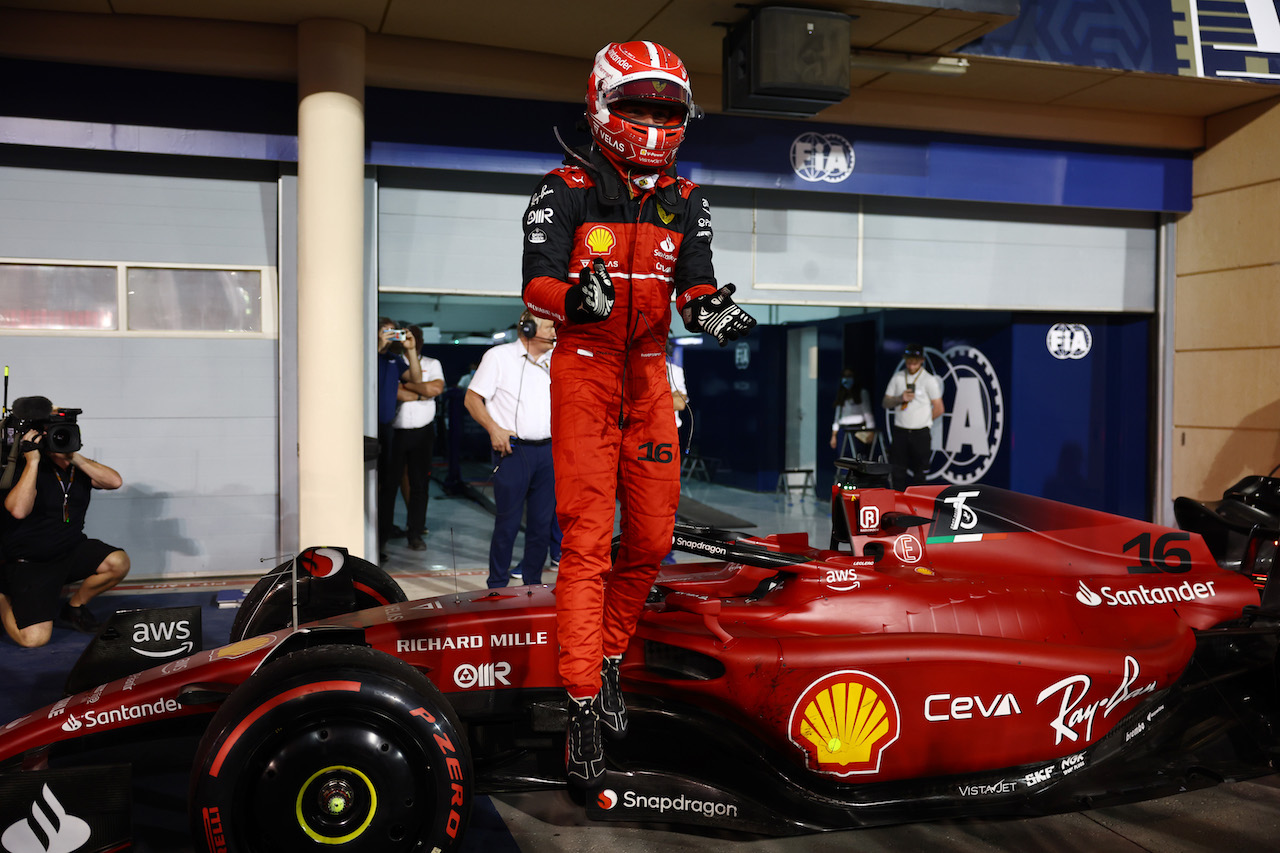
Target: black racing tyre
column 268, row 605
column 334, row 748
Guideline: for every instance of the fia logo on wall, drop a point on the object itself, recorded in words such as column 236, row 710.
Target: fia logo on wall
column 1069, row 340
column 822, row 157
column 966, row 439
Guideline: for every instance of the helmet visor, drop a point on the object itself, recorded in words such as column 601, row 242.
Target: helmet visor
column 659, row 103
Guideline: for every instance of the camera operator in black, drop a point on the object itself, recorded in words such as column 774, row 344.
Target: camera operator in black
column 43, row 540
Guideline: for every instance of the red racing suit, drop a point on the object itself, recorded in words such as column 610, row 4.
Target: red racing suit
column 612, row 422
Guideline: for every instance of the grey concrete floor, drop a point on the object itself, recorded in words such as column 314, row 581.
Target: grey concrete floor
column 1239, row 816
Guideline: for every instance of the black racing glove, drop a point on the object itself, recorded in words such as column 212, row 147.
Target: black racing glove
column 717, row 315
column 591, row 300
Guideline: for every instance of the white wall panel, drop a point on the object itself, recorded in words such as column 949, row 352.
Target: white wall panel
column 189, row 422
column 798, row 248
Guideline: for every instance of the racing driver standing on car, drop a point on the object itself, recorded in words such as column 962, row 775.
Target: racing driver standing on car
column 608, row 240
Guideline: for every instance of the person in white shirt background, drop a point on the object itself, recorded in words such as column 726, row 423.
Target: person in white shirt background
column 413, row 441
column 510, row 396
column 914, row 397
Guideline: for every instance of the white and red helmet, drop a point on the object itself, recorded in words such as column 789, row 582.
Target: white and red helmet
column 645, row 72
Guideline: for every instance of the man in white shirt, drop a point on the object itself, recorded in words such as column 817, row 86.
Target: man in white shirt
column 413, row 441
column 510, row 396
column 914, row 397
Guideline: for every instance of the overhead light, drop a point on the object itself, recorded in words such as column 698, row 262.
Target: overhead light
column 912, row 63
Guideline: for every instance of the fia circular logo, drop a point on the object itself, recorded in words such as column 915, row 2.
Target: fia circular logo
column 822, row 157
column 1069, row 340
column 966, row 439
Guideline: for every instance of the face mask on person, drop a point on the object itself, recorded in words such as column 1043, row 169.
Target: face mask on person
column 846, row 382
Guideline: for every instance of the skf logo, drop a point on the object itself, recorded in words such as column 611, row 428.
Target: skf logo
column 600, row 240
column 49, row 829
column 844, row 722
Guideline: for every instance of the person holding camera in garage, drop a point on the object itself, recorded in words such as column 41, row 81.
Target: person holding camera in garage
column 399, row 371
column 914, row 396
column 43, row 539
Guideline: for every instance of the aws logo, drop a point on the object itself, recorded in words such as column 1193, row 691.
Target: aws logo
column 600, row 240
column 843, row 722
column 966, row 439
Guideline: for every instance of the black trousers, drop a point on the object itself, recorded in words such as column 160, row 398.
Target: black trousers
column 410, row 450
column 910, row 449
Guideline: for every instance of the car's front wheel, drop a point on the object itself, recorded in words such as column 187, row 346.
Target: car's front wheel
column 336, row 748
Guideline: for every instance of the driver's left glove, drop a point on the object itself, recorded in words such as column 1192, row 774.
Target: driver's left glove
column 717, row 315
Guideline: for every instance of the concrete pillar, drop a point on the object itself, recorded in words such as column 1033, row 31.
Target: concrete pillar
column 331, row 340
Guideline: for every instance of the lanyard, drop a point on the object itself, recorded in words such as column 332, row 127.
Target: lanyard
column 66, row 491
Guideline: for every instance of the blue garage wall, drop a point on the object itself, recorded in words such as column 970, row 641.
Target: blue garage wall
column 1082, row 426
column 737, row 407
column 1071, row 429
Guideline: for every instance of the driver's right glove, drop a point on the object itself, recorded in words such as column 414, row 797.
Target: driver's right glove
column 591, row 299
column 718, row 315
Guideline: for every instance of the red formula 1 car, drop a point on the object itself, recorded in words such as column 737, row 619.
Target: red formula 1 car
column 956, row 651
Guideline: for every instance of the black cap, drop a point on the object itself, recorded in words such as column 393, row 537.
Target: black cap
column 916, row 350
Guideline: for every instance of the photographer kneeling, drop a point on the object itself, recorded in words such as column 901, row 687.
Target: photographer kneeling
column 43, row 543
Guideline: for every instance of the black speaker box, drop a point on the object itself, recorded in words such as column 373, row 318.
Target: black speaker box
column 786, row 61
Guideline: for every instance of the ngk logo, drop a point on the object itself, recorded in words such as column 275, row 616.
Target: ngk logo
column 484, row 675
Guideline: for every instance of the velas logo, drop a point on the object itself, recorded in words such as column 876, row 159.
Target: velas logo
column 600, row 240
column 843, row 722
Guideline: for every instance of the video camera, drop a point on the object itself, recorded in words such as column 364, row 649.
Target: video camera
column 58, row 427
column 60, row 430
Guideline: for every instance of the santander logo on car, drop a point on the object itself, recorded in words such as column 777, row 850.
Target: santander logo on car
column 1142, row 595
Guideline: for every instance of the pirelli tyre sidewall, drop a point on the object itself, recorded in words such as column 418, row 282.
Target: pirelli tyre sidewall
column 336, row 748
column 268, row 606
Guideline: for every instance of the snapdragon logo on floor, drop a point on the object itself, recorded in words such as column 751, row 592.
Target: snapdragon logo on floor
column 663, row 804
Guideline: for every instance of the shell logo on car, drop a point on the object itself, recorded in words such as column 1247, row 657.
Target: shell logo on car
column 844, row 722
column 600, row 240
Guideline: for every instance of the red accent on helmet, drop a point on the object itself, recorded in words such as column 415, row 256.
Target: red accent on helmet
column 644, row 72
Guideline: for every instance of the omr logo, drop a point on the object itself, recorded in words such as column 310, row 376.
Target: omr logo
column 607, row 799
column 843, row 722
column 600, row 240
